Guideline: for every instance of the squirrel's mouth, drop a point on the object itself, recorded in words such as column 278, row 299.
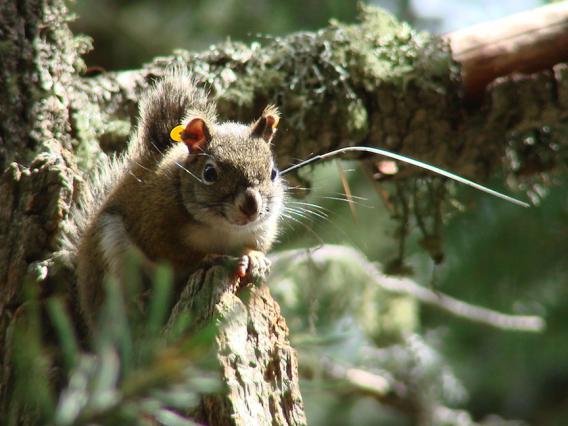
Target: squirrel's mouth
column 242, row 220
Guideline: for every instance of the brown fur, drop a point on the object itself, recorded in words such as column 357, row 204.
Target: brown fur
column 161, row 207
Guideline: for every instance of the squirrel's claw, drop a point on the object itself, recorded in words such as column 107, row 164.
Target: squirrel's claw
column 254, row 265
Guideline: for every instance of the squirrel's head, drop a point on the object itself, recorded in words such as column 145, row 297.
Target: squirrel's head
column 229, row 178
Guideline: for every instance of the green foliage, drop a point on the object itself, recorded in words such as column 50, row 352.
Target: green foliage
column 134, row 371
column 32, row 396
column 317, row 301
column 508, row 258
column 65, row 333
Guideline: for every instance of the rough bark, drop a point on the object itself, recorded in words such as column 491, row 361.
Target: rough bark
column 375, row 83
column 259, row 367
column 38, row 56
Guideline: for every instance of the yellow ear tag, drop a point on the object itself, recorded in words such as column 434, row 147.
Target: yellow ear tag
column 176, row 132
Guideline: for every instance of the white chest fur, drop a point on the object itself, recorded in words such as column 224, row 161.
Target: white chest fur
column 229, row 239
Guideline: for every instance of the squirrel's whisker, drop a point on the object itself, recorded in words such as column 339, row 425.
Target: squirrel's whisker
column 305, row 212
column 135, row 177
column 345, row 200
column 301, row 203
column 307, row 227
column 142, row 166
column 186, row 170
column 296, row 213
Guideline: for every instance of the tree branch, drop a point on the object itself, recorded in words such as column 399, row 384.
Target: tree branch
column 377, row 83
column 458, row 308
column 526, row 42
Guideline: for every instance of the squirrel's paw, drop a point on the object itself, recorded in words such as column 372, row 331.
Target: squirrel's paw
column 254, row 265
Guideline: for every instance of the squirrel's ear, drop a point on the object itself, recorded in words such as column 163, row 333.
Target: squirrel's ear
column 265, row 126
column 196, row 134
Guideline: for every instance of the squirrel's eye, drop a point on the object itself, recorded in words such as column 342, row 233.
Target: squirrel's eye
column 274, row 174
column 210, row 174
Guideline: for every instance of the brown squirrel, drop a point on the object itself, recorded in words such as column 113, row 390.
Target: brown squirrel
column 215, row 192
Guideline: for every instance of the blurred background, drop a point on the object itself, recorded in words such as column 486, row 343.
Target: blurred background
column 131, row 32
column 496, row 255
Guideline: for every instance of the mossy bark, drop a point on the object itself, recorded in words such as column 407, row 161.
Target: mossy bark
column 37, row 184
column 376, row 83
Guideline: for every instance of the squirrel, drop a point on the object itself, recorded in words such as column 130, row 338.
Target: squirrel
column 204, row 188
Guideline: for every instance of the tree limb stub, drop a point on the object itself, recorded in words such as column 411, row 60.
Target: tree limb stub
column 258, row 365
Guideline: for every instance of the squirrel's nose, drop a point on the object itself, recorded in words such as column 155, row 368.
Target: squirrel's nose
column 249, row 202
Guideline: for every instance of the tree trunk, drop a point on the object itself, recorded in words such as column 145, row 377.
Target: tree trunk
column 376, row 83
column 36, row 188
